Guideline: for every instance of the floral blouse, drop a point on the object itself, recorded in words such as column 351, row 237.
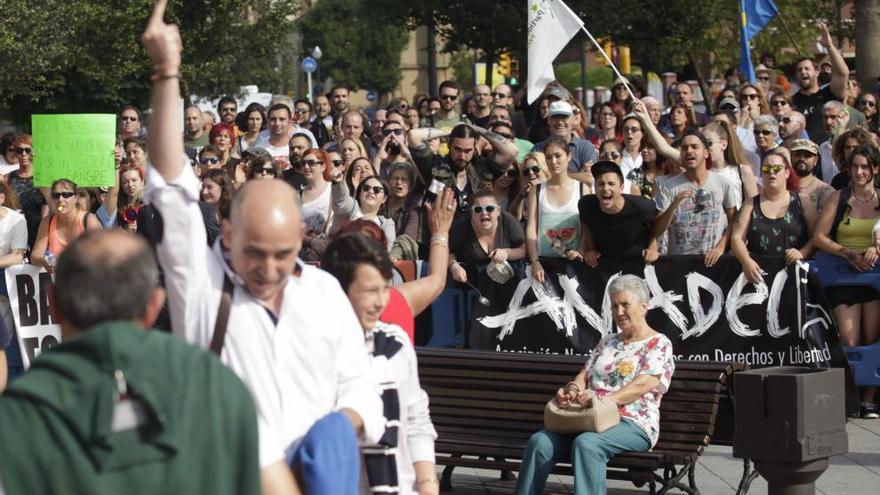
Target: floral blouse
column 614, row 364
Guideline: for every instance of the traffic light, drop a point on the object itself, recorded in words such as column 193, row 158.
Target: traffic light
column 513, row 78
column 608, row 47
column 504, row 63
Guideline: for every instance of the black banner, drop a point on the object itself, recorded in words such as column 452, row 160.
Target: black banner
column 710, row 314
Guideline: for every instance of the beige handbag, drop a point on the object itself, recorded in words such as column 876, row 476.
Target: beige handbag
column 601, row 415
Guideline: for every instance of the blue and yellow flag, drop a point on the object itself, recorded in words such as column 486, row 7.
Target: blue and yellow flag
column 755, row 15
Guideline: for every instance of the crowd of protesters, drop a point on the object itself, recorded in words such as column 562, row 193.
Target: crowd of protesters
column 239, row 209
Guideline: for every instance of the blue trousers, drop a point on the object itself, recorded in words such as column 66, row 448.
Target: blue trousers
column 588, row 452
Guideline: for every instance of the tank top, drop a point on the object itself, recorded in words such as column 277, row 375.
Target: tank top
column 856, row 233
column 559, row 227
column 55, row 244
column 316, row 213
column 772, row 236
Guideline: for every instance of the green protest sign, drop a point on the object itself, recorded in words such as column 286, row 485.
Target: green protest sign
column 78, row 147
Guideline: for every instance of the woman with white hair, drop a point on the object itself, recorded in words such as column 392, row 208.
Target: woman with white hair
column 633, row 367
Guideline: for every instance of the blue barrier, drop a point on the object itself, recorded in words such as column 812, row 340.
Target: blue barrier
column 450, row 318
column 834, row 271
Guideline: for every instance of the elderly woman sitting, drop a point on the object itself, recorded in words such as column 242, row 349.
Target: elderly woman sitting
column 632, row 367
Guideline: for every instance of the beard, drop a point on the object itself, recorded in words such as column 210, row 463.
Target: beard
column 801, row 169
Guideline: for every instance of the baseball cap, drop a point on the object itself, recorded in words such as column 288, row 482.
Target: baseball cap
column 560, row 108
column 804, row 145
column 728, row 102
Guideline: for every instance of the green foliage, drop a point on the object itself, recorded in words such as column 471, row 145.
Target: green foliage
column 360, row 47
column 85, row 55
column 462, row 63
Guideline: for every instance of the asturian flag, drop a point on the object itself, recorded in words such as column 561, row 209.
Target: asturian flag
column 755, row 15
column 551, row 26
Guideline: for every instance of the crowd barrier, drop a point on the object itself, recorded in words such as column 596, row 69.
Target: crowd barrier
column 835, row 271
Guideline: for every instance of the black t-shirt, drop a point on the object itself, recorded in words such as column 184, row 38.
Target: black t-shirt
column 478, row 121
column 464, row 244
column 623, row 235
column 811, row 107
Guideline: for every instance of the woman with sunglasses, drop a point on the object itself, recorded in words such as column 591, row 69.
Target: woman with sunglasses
column 316, row 202
column 780, row 105
column 261, row 168
column 30, row 198
column 777, row 222
column 554, row 228
column 729, row 159
column 766, row 131
column 65, row 222
column 753, row 103
column 208, row 159
column 490, row 234
column 404, row 206
column 507, row 187
column 370, row 196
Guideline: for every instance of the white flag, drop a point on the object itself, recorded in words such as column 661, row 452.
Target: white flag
column 551, row 26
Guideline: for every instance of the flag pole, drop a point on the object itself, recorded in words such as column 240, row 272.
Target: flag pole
column 610, row 63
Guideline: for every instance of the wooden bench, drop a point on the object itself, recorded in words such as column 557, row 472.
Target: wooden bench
column 486, row 405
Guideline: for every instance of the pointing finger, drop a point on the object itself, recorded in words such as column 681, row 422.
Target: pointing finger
column 158, row 15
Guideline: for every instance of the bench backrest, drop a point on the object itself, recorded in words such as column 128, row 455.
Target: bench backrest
column 504, row 394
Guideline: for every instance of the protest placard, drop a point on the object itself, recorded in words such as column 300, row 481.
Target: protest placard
column 29, row 300
column 78, row 147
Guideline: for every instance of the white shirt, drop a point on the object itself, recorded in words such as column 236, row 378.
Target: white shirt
column 263, row 138
column 627, row 165
column 311, row 363
column 13, row 231
column 829, row 167
column 6, row 168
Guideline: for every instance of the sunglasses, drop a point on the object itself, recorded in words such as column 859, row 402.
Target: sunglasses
column 867, row 103
column 534, row 169
column 764, row 79
column 63, row 194
column 500, row 95
column 786, row 120
column 396, row 132
column 301, row 111
column 374, row 189
column 763, row 132
column 511, row 173
column 311, row 163
column 612, row 155
column 336, row 163
column 778, row 103
column 478, row 209
column 772, row 169
column 24, row 151
column 206, row 161
column 266, row 171
column 750, row 96
column 448, row 97
column 128, row 119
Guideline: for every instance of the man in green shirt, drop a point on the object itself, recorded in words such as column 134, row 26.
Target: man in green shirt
column 119, row 409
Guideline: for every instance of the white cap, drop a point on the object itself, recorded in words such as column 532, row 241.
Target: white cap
column 560, row 108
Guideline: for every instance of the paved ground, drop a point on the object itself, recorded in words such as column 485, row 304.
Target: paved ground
column 854, row 473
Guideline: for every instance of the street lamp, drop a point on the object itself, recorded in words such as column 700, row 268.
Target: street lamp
column 317, row 54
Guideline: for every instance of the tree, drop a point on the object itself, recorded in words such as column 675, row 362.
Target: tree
column 360, row 48
column 868, row 38
column 85, row 55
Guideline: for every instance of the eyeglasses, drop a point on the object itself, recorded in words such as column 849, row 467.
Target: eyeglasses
column 749, row 96
column 867, row 103
column 772, row 169
column 301, row 111
column 448, row 97
column 764, row 79
column 206, row 161
column 511, row 173
column 763, row 132
column 336, row 163
column 778, row 103
column 534, row 169
column 388, row 132
column 479, row 209
column 266, row 171
column 610, row 155
column 63, row 194
column 786, row 120
column 126, row 118
column 632, row 129
column 374, row 189
column 24, row 151
column 311, row 163
column 500, row 95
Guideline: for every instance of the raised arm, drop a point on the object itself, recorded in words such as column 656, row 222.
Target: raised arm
column 163, row 45
column 653, row 134
column 839, row 69
column 418, row 137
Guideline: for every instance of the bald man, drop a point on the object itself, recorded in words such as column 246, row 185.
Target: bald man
column 86, row 396
column 483, row 101
column 286, row 328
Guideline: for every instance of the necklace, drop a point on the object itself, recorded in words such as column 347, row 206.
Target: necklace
column 861, row 201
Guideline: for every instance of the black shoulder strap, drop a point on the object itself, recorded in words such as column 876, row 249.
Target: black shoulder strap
column 222, row 317
column 842, row 201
